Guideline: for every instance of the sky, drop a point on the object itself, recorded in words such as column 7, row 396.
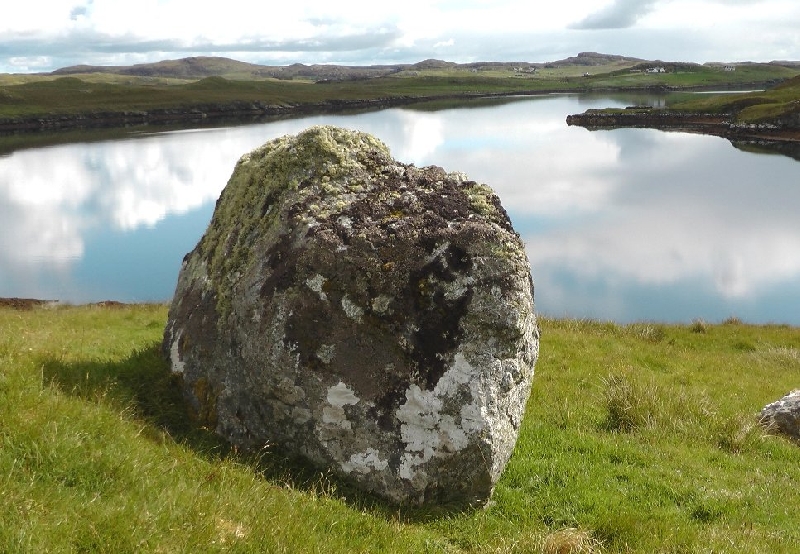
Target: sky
column 43, row 35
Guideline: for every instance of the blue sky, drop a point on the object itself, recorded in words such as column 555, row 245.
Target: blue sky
column 42, row 35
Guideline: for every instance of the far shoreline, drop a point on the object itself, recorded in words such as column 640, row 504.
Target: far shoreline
column 698, row 325
column 238, row 112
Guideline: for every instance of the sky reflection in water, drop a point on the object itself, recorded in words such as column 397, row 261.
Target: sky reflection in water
column 625, row 225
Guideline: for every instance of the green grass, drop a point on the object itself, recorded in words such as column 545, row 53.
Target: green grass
column 637, row 438
column 782, row 101
column 694, row 76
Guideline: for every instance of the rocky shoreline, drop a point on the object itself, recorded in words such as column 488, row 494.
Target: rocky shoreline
column 253, row 112
column 778, row 137
column 238, row 111
column 15, row 303
column 720, row 125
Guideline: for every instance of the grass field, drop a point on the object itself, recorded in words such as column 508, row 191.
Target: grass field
column 31, row 96
column 782, row 101
column 637, row 438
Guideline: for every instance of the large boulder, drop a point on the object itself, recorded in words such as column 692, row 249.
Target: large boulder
column 373, row 317
column 783, row 416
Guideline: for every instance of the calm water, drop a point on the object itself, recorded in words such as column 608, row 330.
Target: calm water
column 625, row 225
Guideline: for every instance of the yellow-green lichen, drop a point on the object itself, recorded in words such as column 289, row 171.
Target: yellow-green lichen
column 481, row 198
column 324, row 161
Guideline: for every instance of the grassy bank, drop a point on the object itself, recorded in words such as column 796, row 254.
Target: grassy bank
column 778, row 106
column 73, row 95
column 34, row 96
column 779, row 103
column 638, row 438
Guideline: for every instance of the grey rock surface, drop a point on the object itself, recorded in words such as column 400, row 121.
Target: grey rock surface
column 373, row 317
column 783, row 416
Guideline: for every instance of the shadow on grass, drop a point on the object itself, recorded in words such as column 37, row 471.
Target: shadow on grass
column 143, row 387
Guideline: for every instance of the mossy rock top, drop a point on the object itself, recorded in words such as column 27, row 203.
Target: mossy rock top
column 334, row 177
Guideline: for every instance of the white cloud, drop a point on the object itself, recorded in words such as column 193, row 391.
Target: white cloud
column 120, row 185
column 45, row 34
column 729, row 233
column 617, row 15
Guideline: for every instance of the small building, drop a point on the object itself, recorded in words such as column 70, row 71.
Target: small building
column 658, row 69
column 730, row 68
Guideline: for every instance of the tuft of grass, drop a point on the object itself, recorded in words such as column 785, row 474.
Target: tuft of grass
column 637, row 438
column 698, row 326
column 630, row 405
column 571, row 541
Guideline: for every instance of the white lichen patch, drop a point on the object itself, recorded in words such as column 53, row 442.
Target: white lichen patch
column 326, row 353
column 352, row 310
column 316, row 283
column 459, row 287
column 365, row 462
column 426, row 430
column 339, row 396
column 177, row 364
column 438, row 251
column 380, row 304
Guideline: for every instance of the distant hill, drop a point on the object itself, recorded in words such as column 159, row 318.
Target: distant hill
column 594, row 59
column 196, row 68
column 186, row 68
column 201, row 67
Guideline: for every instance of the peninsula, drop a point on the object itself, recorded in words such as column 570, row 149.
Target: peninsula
column 768, row 119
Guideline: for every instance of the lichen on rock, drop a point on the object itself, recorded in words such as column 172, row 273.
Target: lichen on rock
column 783, row 416
column 374, row 317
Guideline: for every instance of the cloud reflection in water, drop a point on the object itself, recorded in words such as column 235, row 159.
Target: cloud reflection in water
column 625, row 224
